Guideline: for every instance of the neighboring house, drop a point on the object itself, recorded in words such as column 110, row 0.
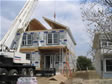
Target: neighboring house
column 103, row 54
column 48, row 48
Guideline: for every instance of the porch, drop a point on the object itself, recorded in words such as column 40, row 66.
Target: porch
column 52, row 57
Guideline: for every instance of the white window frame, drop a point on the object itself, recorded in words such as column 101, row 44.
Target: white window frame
column 26, row 40
column 107, row 42
column 29, row 39
column 53, row 39
column 104, row 64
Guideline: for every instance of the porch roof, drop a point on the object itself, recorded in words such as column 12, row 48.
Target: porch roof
column 28, row 49
column 51, row 48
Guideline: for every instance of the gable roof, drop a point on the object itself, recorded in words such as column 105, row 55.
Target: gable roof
column 35, row 25
column 56, row 25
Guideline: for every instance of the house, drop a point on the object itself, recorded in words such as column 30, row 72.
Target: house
column 48, row 48
column 102, row 47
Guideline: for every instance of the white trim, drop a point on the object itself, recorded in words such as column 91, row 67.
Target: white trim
column 53, row 38
column 26, row 40
column 104, row 63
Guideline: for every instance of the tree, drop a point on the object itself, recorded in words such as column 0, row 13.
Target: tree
column 107, row 2
column 84, row 63
column 98, row 17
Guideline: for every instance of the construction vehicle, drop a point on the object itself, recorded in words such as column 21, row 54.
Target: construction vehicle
column 12, row 62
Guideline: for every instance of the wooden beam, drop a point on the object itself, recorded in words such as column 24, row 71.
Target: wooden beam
column 28, row 49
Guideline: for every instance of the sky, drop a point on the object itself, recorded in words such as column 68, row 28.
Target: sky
column 67, row 12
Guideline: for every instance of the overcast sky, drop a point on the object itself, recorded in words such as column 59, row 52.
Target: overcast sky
column 67, row 12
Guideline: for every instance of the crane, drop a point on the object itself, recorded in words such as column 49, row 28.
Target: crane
column 8, row 57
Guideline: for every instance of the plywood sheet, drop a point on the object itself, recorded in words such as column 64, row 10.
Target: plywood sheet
column 28, row 49
column 58, row 79
column 35, row 25
column 51, row 47
column 54, row 24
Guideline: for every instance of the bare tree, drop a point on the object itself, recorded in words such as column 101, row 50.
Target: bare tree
column 107, row 2
column 98, row 20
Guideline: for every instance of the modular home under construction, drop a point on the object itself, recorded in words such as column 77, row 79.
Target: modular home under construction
column 48, row 48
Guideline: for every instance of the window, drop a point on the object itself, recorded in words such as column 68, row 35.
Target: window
column 110, row 43
column 105, row 43
column 24, row 40
column 109, row 65
column 53, row 38
column 27, row 40
column 56, row 38
column 28, row 56
column 50, row 38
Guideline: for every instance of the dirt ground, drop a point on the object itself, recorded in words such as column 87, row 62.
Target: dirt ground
column 45, row 80
column 91, row 81
column 42, row 80
column 82, row 77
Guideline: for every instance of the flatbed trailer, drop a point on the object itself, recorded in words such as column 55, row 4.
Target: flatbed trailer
column 46, row 72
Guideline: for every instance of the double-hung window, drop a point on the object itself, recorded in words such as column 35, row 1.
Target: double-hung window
column 49, row 38
column 24, row 40
column 105, row 43
column 53, row 38
column 108, row 65
column 27, row 40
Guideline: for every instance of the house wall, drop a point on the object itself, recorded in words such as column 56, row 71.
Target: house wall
column 71, row 47
column 36, row 59
column 39, row 38
column 102, row 53
column 98, row 62
column 105, row 73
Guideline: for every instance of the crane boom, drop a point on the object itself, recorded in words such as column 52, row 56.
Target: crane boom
column 21, row 21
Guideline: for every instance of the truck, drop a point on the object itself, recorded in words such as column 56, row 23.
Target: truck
column 13, row 62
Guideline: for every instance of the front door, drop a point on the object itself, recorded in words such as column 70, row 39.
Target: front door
column 47, row 62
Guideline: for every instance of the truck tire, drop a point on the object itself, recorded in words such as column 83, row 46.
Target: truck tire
column 3, row 71
column 30, row 72
column 13, row 72
column 24, row 72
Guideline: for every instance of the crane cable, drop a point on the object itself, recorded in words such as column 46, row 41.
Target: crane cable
column 54, row 10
